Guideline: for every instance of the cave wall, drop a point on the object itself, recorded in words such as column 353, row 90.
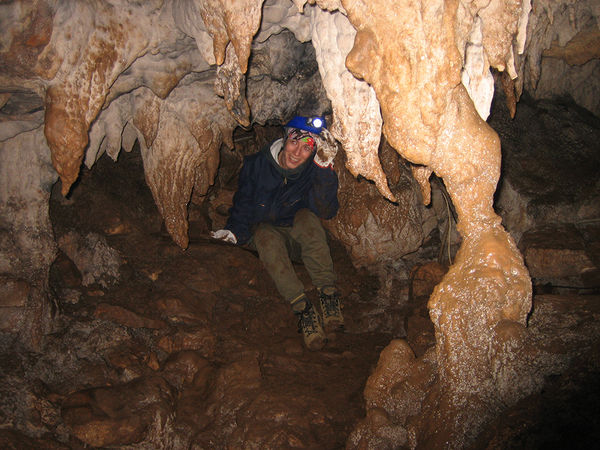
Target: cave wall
column 561, row 54
column 92, row 77
column 27, row 246
column 105, row 58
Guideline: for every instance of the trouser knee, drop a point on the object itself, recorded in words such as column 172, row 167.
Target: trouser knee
column 266, row 237
column 308, row 228
column 272, row 247
column 305, row 217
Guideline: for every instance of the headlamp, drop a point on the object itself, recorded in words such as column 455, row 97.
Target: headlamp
column 315, row 122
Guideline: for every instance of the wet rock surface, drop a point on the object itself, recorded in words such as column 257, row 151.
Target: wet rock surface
column 194, row 349
column 190, row 349
column 548, row 193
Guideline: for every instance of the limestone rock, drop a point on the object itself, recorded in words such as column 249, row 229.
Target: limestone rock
column 375, row 231
column 233, row 388
column 425, row 278
column 96, row 260
column 126, row 318
column 555, row 62
column 564, row 157
column 420, row 332
column 10, row 439
column 284, row 80
column 24, row 253
column 560, row 256
column 186, row 368
column 269, row 410
column 201, row 340
column 27, row 245
column 188, row 311
column 13, row 292
column 119, row 415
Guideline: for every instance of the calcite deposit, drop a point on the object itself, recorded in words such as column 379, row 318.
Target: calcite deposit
column 356, row 117
column 174, row 78
column 380, row 233
column 410, row 57
column 92, row 46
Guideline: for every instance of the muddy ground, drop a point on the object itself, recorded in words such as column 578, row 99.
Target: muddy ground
column 194, row 348
column 209, row 321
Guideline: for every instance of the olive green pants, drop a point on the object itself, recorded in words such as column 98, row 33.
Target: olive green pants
column 305, row 241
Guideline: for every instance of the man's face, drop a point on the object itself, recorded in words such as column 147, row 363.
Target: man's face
column 296, row 151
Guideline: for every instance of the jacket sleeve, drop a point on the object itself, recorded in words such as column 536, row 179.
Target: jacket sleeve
column 241, row 214
column 322, row 197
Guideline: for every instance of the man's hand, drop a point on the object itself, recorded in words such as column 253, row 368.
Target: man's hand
column 224, row 235
column 327, row 148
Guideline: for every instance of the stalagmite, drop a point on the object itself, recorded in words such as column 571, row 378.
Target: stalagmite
column 408, row 53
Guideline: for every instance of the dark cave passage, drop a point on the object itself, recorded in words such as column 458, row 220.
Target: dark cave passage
column 207, row 320
column 196, row 345
column 199, row 336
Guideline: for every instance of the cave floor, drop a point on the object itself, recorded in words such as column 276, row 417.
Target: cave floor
column 209, row 321
column 194, row 349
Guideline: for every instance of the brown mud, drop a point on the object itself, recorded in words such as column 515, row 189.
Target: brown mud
column 216, row 301
column 194, row 348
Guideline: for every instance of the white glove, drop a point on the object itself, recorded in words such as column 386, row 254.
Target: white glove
column 327, row 148
column 224, row 235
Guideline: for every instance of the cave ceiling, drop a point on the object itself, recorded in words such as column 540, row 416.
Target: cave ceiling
column 84, row 78
column 178, row 76
column 80, row 79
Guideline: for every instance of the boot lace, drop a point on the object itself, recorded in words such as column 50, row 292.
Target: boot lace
column 330, row 304
column 306, row 320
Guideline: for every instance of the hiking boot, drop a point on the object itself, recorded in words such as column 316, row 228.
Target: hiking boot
column 309, row 324
column 333, row 320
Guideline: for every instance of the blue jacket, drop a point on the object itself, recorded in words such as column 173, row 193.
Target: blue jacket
column 268, row 193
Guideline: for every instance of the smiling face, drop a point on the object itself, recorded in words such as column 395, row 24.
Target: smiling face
column 296, row 151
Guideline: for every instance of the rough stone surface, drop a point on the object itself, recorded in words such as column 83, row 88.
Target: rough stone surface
column 109, row 416
column 95, row 259
column 552, row 66
column 125, row 317
column 559, row 142
column 82, row 78
column 543, row 247
column 27, row 245
column 379, row 232
column 284, row 80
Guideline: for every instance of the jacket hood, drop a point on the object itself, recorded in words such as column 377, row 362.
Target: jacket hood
column 271, row 152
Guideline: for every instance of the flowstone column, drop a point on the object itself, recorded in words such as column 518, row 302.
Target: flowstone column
column 27, row 242
column 408, row 52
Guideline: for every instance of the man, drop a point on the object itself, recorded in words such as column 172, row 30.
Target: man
column 283, row 191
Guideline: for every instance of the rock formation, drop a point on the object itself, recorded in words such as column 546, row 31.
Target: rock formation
column 82, row 78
